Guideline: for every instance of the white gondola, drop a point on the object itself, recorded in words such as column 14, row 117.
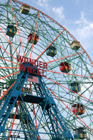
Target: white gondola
column 24, row 9
column 75, row 45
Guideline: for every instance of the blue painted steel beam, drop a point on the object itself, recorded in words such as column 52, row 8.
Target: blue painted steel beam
column 44, row 98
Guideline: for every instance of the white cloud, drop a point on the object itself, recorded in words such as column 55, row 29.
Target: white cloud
column 42, row 3
column 83, row 31
column 91, row 25
column 84, row 27
column 59, row 11
column 82, row 20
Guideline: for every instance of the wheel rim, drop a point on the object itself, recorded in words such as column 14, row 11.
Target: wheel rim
column 50, row 32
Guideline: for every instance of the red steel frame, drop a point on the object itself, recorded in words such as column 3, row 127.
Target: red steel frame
column 38, row 58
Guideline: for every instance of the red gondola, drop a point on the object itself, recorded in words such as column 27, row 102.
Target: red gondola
column 31, row 37
column 65, row 67
column 78, row 109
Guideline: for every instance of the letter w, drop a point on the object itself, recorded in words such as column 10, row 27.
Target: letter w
column 19, row 58
column 22, row 67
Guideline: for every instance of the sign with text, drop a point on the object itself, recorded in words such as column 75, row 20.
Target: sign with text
column 31, row 66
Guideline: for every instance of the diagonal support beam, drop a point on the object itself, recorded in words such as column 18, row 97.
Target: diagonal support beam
column 49, row 45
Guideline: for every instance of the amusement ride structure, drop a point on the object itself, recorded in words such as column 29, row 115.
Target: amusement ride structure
column 46, row 78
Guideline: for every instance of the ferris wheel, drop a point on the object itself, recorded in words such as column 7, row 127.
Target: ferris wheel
column 46, row 78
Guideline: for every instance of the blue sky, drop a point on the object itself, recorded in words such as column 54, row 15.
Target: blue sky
column 75, row 15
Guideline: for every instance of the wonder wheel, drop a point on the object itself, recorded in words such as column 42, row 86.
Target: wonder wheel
column 45, row 78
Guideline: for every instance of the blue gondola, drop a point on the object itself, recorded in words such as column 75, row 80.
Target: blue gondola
column 75, row 86
column 51, row 51
column 11, row 30
column 80, row 133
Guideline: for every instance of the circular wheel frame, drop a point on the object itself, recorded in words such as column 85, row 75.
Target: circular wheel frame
column 50, row 33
